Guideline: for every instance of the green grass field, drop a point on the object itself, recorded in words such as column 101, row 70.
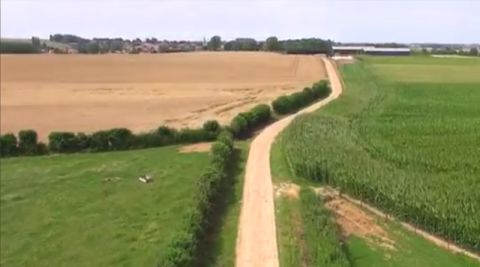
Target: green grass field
column 90, row 209
column 404, row 136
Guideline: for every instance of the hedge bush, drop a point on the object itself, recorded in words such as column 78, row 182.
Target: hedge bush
column 63, row 142
column 99, row 141
column 123, row 139
column 42, row 149
column 321, row 89
column 84, row 141
column 8, row 145
column 211, row 126
column 226, row 138
column 281, row 104
column 188, row 135
column 27, row 144
column 293, row 102
column 239, row 125
column 183, row 248
column 108, row 140
column 261, row 114
column 245, row 123
column 166, row 135
column 120, row 139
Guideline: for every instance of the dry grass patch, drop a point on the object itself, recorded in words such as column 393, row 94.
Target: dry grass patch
column 194, row 148
column 353, row 220
column 288, row 190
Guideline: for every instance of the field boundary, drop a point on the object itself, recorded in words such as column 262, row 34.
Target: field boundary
column 440, row 242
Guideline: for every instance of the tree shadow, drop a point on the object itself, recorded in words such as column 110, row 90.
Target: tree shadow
column 210, row 248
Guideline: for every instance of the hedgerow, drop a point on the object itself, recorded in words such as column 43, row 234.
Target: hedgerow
column 27, row 143
column 298, row 100
column 245, row 123
column 184, row 246
column 104, row 140
column 8, row 145
column 321, row 89
column 63, row 142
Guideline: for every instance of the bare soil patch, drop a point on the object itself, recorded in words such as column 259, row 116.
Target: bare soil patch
column 343, row 60
column 141, row 92
column 330, row 192
column 353, row 220
column 288, row 190
column 199, row 147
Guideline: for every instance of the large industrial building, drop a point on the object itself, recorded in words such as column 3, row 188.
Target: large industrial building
column 370, row 50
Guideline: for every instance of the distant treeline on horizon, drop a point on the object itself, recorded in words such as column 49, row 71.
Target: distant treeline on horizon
column 71, row 44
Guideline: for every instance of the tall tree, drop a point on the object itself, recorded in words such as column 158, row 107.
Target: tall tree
column 272, row 44
column 36, row 43
column 215, row 43
column 474, row 51
column 93, row 48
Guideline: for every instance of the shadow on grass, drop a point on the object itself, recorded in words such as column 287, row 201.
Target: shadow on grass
column 256, row 130
column 209, row 249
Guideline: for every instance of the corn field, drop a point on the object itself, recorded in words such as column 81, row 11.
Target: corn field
column 410, row 149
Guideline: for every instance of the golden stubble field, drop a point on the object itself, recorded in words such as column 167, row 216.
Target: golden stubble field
column 141, row 92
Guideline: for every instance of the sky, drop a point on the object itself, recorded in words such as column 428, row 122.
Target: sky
column 446, row 21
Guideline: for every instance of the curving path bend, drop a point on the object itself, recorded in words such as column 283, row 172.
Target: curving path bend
column 256, row 239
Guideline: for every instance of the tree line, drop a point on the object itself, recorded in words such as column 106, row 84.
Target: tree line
column 473, row 51
column 293, row 46
column 14, row 46
column 153, row 45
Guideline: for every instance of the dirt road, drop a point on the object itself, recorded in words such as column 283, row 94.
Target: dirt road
column 256, row 240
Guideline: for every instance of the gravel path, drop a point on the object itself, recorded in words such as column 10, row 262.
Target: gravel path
column 256, row 240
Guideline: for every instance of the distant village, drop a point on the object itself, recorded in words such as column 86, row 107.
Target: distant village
column 72, row 44
column 119, row 45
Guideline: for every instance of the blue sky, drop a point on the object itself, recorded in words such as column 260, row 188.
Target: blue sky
column 342, row 20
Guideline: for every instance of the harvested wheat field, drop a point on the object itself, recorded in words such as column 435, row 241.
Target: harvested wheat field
column 91, row 92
